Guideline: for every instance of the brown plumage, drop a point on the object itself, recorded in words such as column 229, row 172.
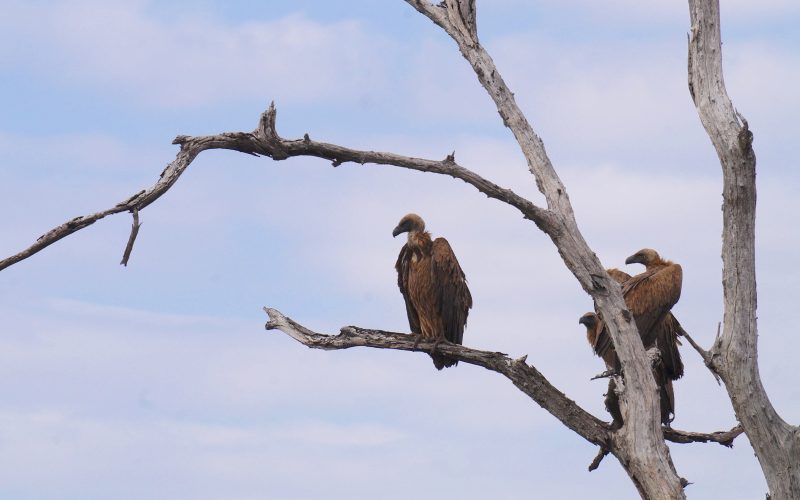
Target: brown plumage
column 600, row 340
column 434, row 287
column 649, row 296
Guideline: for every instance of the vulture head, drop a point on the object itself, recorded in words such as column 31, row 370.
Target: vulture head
column 646, row 256
column 409, row 224
column 589, row 319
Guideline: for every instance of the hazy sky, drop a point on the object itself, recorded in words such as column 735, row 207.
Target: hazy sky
column 159, row 381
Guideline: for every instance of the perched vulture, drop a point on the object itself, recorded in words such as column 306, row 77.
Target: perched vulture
column 649, row 296
column 433, row 286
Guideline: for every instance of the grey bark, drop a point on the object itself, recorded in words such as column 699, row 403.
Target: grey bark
column 734, row 355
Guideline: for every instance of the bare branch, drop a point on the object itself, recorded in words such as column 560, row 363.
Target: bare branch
column 264, row 140
column 525, row 377
column 707, row 358
column 134, row 231
column 601, row 454
column 138, row 201
column 725, row 438
column 605, row 374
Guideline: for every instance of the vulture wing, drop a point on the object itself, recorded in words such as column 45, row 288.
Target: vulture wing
column 452, row 294
column 403, row 267
column 603, row 346
column 650, row 295
column 666, row 334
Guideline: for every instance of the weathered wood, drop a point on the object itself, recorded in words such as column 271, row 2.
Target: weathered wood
column 734, row 355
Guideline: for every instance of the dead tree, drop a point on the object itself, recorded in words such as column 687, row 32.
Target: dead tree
column 639, row 444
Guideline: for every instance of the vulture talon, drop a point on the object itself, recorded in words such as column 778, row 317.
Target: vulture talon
column 436, row 345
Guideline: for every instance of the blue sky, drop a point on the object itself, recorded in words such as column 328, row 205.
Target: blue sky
column 159, row 381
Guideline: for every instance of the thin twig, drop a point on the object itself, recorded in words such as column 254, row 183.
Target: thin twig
column 134, row 231
column 707, row 357
column 605, row 374
column 601, row 454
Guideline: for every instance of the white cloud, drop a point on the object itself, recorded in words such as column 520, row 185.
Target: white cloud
column 192, row 60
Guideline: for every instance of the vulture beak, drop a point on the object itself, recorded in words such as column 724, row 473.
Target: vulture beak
column 584, row 320
column 397, row 231
column 633, row 259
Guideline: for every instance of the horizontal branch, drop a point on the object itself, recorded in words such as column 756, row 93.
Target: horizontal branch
column 725, row 438
column 522, row 375
column 525, row 377
column 264, row 140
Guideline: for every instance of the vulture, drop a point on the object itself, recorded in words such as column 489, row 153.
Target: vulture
column 600, row 341
column 434, row 288
column 649, row 296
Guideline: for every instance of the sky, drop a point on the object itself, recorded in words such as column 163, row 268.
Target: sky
column 159, row 381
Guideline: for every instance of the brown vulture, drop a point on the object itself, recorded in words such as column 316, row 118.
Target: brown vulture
column 433, row 286
column 649, row 296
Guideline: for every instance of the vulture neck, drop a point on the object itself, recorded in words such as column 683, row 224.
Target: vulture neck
column 657, row 263
column 419, row 239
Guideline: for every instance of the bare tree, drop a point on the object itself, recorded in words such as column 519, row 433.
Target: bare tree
column 639, row 444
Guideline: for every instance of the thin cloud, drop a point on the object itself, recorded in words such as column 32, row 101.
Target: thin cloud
column 192, row 61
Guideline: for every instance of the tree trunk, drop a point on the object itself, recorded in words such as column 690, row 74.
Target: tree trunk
column 734, row 355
